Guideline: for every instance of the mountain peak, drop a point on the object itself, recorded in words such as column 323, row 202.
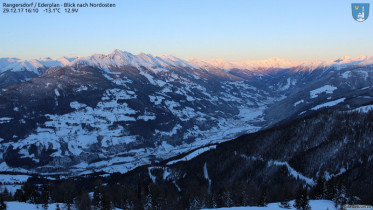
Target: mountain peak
column 343, row 58
column 116, row 51
column 121, row 53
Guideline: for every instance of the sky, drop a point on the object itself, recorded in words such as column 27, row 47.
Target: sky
column 233, row 30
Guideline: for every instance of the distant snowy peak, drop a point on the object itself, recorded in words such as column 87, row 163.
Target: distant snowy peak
column 367, row 61
column 66, row 60
column 4, row 62
column 271, row 63
column 119, row 58
column 339, row 63
column 14, row 64
column 34, row 65
column 278, row 63
column 220, row 63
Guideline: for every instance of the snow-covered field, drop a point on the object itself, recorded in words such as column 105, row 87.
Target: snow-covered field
column 29, row 206
column 193, row 154
column 329, row 104
column 325, row 89
column 315, row 205
column 10, row 179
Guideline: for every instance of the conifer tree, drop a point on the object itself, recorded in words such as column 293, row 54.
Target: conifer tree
column 301, row 199
column 83, row 202
column 2, row 203
column 101, row 198
column 287, row 197
column 45, row 195
column 340, row 196
column 330, row 190
column 319, row 190
column 227, row 198
column 195, row 203
column 148, row 202
column 263, row 198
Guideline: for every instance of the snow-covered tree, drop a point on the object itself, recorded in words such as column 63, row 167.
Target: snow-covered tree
column 195, row 203
column 340, row 198
column 148, row 202
column 227, row 199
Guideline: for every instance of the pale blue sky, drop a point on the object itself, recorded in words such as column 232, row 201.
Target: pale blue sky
column 230, row 29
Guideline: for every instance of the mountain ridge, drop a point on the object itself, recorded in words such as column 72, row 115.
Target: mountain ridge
column 120, row 58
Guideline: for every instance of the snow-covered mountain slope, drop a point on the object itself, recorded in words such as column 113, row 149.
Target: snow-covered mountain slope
column 118, row 111
column 260, row 66
column 329, row 152
column 85, row 118
column 120, row 58
column 345, row 88
column 269, row 65
column 35, row 65
column 14, row 70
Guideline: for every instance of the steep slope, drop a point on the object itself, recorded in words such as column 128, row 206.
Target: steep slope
column 14, row 70
column 346, row 88
column 334, row 145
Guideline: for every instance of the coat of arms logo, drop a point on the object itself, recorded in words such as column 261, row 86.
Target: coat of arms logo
column 360, row 11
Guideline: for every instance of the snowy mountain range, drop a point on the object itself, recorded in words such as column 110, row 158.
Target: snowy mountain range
column 116, row 112
column 119, row 58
